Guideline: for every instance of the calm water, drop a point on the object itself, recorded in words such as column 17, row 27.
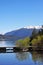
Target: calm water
column 7, row 43
column 20, row 58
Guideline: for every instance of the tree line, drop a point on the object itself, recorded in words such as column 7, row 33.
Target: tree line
column 36, row 39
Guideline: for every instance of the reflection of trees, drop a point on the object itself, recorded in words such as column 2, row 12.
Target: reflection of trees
column 22, row 55
column 36, row 56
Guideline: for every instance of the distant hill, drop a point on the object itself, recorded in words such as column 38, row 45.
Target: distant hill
column 1, row 37
column 20, row 33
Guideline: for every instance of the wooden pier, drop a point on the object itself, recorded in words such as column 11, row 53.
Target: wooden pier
column 16, row 49
column 9, row 49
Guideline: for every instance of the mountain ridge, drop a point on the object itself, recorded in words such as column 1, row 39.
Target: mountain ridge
column 21, row 33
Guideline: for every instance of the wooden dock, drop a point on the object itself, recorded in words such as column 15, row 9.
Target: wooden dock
column 9, row 49
column 16, row 49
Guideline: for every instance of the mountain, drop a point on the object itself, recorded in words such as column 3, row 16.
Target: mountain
column 32, row 27
column 21, row 33
column 1, row 37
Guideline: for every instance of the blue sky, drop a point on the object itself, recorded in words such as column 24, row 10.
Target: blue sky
column 16, row 14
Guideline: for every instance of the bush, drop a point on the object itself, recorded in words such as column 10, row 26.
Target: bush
column 38, row 42
column 23, row 42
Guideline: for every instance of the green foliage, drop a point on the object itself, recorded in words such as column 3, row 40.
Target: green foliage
column 38, row 42
column 35, row 40
column 23, row 42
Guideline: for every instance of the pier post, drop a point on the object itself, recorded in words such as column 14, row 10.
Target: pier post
column 2, row 49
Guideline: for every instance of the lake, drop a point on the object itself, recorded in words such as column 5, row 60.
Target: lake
column 19, row 58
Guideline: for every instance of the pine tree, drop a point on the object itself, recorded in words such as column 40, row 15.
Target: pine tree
column 34, row 33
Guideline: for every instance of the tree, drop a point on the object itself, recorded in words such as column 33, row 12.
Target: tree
column 34, row 33
column 23, row 42
column 41, row 31
column 38, row 42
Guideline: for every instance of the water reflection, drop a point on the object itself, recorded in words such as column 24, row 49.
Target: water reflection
column 20, row 58
column 22, row 55
column 37, row 57
column 7, row 43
